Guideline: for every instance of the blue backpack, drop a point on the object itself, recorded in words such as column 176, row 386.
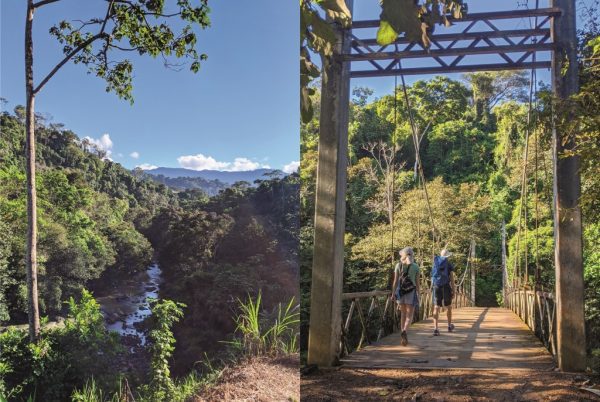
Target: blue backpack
column 440, row 274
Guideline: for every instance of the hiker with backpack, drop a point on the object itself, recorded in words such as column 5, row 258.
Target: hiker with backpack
column 406, row 289
column 442, row 278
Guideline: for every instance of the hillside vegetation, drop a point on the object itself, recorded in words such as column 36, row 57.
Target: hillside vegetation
column 100, row 223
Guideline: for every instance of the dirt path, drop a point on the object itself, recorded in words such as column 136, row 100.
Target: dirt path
column 353, row 384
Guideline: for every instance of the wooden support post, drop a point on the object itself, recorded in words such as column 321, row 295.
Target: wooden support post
column 571, row 346
column 504, row 270
column 473, row 272
column 330, row 209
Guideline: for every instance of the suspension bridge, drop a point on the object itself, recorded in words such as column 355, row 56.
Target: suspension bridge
column 533, row 328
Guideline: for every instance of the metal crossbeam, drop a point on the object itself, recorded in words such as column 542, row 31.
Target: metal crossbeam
column 495, row 15
column 451, row 52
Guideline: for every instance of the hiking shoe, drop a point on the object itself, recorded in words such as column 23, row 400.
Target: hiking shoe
column 403, row 338
column 450, row 327
column 436, row 332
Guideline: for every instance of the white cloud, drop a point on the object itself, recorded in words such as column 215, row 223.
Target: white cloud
column 103, row 144
column 202, row 162
column 291, row 167
column 146, row 166
column 242, row 164
column 135, row 154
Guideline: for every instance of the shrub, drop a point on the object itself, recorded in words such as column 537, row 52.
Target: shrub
column 165, row 313
column 63, row 359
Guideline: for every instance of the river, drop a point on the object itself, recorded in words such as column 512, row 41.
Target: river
column 126, row 305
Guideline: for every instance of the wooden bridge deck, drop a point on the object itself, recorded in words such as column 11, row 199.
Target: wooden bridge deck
column 484, row 338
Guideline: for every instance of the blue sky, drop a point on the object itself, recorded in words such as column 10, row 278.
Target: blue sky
column 368, row 9
column 240, row 111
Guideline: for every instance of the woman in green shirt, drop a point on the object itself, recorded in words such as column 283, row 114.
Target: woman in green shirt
column 407, row 302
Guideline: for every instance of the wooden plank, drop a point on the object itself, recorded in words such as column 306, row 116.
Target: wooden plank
column 483, row 338
column 363, row 325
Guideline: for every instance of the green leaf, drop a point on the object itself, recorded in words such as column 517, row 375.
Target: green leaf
column 385, row 33
column 322, row 36
column 306, row 108
column 402, row 16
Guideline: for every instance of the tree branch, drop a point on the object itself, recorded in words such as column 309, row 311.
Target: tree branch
column 43, row 3
column 66, row 59
column 79, row 48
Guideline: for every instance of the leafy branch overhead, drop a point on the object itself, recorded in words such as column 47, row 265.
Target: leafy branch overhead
column 416, row 19
column 132, row 26
column 318, row 35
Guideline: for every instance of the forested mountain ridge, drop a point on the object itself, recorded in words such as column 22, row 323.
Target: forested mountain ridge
column 210, row 187
column 227, row 177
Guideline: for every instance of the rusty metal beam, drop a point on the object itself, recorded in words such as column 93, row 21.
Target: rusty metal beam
column 497, row 15
column 417, row 54
column 459, row 36
column 450, row 69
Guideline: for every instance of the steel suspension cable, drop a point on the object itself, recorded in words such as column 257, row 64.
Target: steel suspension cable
column 536, row 139
column 415, row 138
column 524, row 198
column 392, row 206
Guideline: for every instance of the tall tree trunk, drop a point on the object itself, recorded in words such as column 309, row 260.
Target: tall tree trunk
column 31, row 254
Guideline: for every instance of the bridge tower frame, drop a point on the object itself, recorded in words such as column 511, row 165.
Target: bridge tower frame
column 330, row 211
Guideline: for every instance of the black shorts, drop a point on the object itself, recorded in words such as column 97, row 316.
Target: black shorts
column 442, row 294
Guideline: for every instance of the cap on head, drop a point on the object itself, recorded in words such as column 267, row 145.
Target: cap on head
column 445, row 253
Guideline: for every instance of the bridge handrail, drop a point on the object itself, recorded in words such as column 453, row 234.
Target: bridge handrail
column 537, row 309
column 384, row 320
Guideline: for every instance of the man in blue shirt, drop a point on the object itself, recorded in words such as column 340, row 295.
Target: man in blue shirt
column 443, row 291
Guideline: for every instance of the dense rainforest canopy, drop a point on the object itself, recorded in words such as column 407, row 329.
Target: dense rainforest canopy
column 101, row 223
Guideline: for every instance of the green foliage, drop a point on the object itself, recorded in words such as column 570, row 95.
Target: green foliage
column 91, row 214
column 416, row 19
column 165, row 313
column 138, row 26
column 92, row 392
column 240, row 241
column 591, row 255
column 263, row 334
column 64, row 358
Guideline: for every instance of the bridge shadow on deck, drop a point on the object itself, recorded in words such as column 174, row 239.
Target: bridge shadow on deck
column 485, row 338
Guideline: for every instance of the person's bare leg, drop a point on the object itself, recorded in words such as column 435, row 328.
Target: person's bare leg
column 449, row 315
column 436, row 315
column 410, row 312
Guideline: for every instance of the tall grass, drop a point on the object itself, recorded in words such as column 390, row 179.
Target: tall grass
column 263, row 333
column 184, row 389
column 91, row 392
